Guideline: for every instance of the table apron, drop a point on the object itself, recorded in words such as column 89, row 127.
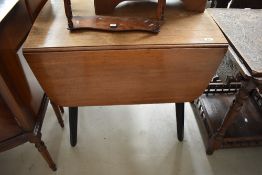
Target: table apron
column 136, row 76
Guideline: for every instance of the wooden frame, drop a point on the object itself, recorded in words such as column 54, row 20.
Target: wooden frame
column 237, row 118
column 109, row 23
column 223, row 129
column 34, row 136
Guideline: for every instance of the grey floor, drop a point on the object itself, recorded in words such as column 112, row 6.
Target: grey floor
column 128, row 140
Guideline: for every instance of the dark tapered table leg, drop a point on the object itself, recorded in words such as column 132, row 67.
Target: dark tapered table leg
column 180, row 120
column 73, row 125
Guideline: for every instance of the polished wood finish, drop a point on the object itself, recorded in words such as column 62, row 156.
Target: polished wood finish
column 181, row 29
column 103, row 7
column 108, row 77
column 106, row 66
column 109, row 23
column 115, row 24
column 107, row 6
column 101, row 68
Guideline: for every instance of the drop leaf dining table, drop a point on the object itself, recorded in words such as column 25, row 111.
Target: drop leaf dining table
column 86, row 68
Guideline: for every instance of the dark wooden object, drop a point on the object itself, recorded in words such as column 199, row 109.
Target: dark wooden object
column 109, row 23
column 211, row 107
column 124, row 68
column 59, row 112
column 22, row 100
column 34, row 7
column 180, row 107
column 242, row 63
column 107, row 6
column 106, row 23
column 103, row 7
column 15, row 135
column 73, row 117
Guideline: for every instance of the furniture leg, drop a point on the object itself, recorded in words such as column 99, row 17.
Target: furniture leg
column 58, row 114
column 73, row 112
column 44, row 152
column 62, row 109
column 180, row 107
column 216, row 140
column 40, row 145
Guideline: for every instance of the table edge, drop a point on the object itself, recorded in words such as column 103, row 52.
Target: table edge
column 121, row 47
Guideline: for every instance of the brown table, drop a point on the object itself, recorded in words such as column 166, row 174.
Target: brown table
column 234, row 119
column 100, row 68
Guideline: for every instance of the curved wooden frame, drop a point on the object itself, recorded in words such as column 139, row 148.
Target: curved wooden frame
column 109, row 23
column 107, row 6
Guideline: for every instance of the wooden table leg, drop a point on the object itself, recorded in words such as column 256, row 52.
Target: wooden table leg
column 40, row 145
column 58, row 114
column 73, row 112
column 216, row 139
column 180, row 107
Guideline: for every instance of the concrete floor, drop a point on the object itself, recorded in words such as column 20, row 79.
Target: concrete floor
column 128, row 140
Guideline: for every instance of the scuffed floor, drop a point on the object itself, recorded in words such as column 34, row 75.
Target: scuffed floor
column 128, row 140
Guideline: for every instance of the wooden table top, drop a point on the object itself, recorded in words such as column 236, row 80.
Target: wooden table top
column 181, row 29
column 243, row 28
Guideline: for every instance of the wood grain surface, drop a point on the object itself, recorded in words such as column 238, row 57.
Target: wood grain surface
column 80, row 78
column 180, row 28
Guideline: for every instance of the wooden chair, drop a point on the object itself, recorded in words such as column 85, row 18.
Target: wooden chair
column 23, row 103
column 13, row 133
